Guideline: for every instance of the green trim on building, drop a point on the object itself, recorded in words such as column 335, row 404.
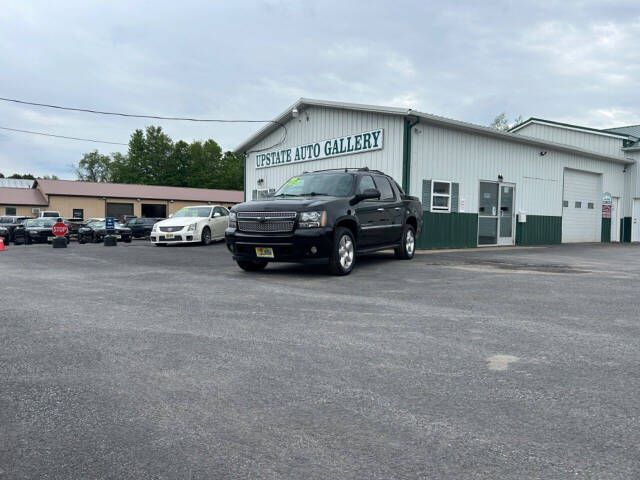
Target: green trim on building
column 605, row 236
column 406, row 153
column 625, row 229
column 448, row 230
column 539, row 230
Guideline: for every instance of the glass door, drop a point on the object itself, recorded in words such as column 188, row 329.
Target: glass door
column 506, row 200
column 495, row 214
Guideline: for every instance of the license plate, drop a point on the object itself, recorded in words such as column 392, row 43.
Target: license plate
column 118, row 237
column 264, row 252
column 168, row 235
column 49, row 239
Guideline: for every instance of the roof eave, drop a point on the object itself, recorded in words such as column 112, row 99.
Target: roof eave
column 300, row 104
column 567, row 126
column 512, row 137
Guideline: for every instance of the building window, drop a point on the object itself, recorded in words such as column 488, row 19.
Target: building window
column 578, row 204
column 440, row 196
column 78, row 213
column 10, row 211
column 590, row 206
column 565, row 203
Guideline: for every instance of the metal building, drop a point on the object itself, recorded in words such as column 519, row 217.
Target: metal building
column 544, row 182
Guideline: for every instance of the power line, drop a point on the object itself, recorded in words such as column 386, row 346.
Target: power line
column 154, row 117
column 62, row 136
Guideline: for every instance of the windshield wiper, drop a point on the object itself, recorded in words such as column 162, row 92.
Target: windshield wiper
column 315, row 194
column 286, row 195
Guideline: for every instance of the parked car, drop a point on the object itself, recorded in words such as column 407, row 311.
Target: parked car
column 95, row 232
column 73, row 224
column 204, row 224
column 49, row 214
column 10, row 223
column 141, row 227
column 36, row 230
column 329, row 216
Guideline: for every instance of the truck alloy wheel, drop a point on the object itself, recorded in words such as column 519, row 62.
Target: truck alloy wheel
column 343, row 255
column 407, row 249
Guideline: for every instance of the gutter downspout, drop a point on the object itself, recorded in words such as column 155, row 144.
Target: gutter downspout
column 406, row 153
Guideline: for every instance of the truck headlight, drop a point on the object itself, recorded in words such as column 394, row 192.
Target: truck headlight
column 233, row 220
column 312, row 219
column 192, row 227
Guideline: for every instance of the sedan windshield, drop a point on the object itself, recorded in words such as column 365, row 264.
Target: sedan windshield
column 333, row 184
column 40, row 222
column 193, row 212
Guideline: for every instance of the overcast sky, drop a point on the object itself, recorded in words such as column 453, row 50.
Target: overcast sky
column 577, row 62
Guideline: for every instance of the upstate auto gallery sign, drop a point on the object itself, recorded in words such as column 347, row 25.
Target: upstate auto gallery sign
column 357, row 143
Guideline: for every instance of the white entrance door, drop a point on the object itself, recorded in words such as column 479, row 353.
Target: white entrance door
column 581, row 205
column 495, row 214
column 615, row 219
column 635, row 232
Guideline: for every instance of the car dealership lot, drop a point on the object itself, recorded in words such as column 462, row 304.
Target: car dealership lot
column 144, row 362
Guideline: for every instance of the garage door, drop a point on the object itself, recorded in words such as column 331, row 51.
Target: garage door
column 581, row 205
column 119, row 210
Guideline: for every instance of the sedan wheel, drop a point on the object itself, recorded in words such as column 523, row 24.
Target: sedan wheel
column 205, row 237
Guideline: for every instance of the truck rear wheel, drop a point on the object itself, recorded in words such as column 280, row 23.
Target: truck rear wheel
column 407, row 248
column 343, row 254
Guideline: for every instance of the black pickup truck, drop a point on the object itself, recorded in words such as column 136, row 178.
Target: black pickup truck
column 327, row 216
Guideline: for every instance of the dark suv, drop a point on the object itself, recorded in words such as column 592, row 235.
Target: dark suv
column 327, row 216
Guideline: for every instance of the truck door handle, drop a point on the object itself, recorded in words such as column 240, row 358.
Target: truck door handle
column 381, row 209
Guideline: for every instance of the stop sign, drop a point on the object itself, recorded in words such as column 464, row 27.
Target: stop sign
column 59, row 229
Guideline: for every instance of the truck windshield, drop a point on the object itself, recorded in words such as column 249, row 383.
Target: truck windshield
column 333, row 184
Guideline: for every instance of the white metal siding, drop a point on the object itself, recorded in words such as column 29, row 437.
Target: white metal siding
column 579, row 223
column 587, row 141
column 448, row 154
column 324, row 124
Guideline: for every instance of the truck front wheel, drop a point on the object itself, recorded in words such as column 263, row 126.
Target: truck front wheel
column 343, row 254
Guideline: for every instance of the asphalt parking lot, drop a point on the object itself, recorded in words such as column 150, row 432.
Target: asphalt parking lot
column 165, row 363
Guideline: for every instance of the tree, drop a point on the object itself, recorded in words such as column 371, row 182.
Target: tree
column 502, row 123
column 94, row 167
column 50, row 177
column 1, row 175
column 153, row 158
column 26, row 176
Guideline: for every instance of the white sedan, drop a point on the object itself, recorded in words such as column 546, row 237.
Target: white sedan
column 203, row 224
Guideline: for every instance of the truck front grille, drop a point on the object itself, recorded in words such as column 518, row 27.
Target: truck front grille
column 266, row 222
column 266, row 227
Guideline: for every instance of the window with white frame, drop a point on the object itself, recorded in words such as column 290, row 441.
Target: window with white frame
column 440, row 196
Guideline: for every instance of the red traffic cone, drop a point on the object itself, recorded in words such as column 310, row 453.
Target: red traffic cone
column 2, row 247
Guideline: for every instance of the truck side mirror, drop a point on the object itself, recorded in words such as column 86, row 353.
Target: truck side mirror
column 368, row 194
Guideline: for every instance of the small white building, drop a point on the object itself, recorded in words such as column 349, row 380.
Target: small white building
column 544, row 182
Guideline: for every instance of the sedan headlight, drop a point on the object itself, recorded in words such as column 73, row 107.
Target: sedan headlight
column 192, row 227
column 155, row 227
column 233, row 220
column 312, row 219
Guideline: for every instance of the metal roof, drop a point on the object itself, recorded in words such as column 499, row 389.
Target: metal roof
column 147, row 192
column 16, row 183
column 431, row 119
column 632, row 130
column 21, row 196
column 568, row 126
